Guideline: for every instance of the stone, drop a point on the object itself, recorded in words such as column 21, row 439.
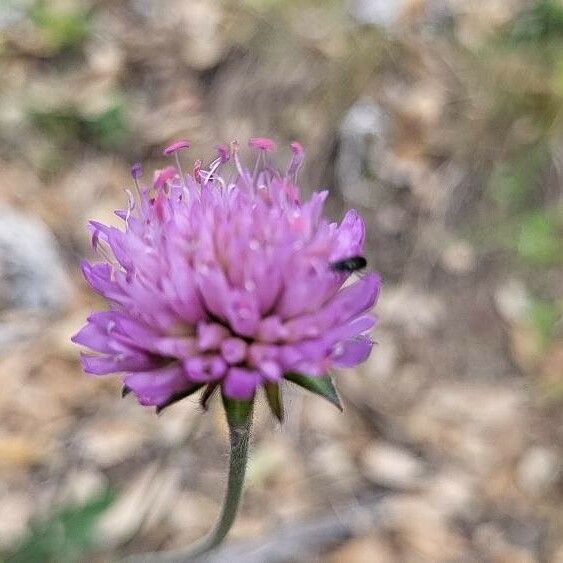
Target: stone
column 512, row 301
column 378, row 12
column 411, row 309
column 459, row 258
column 422, row 531
column 495, row 546
column 108, row 443
column 370, row 549
column 82, row 485
column 334, row 461
column 32, row 272
column 364, row 131
column 15, row 511
column 453, row 493
column 391, row 466
column 538, row 470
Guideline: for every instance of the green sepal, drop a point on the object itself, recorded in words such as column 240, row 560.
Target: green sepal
column 322, row 386
column 178, row 397
column 238, row 412
column 275, row 401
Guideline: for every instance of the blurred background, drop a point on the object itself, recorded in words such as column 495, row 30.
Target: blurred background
column 441, row 122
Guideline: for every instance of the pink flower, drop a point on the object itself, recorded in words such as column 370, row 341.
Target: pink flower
column 225, row 282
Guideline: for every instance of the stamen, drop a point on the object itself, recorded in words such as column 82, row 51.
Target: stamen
column 223, row 156
column 197, row 171
column 257, row 167
column 174, row 149
column 296, row 161
column 234, row 152
column 103, row 248
column 136, row 173
column 265, row 146
column 130, row 206
column 162, row 176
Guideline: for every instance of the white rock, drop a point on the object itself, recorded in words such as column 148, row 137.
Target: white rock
column 364, row 131
column 15, row 511
column 333, row 460
column 512, row 300
column 391, row 466
column 384, row 13
column 538, row 470
column 111, row 442
column 411, row 309
column 454, row 493
column 459, row 258
column 32, row 272
column 81, row 486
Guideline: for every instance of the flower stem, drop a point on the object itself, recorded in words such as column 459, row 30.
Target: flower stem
column 239, row 417
column 239, row 434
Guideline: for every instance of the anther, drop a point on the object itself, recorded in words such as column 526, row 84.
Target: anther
column 223, row 153
column 174, row 149
column 262, row 143
column 177, row 146
column 136, row 173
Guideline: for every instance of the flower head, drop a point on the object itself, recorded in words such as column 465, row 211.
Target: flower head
column 225, row 280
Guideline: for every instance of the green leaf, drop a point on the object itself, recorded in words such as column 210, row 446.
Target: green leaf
column 67, row 535
column 109, row 128
column 544, row 316
column 238, row 412
column 540, row 240
column 275, row 402
column 61, row 29
column 514, row 184
column 322, row 386
column 541, row 23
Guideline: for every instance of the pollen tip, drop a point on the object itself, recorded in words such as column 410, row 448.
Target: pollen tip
column 136, row 170
column 176, row 146
column 223, row 152
column 262, row 143
column 297, row 148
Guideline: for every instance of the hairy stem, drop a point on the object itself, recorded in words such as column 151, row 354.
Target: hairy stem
column 239, row 439
column 239, row 416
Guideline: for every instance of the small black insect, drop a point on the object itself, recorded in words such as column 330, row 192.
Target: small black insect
column 352, row 264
